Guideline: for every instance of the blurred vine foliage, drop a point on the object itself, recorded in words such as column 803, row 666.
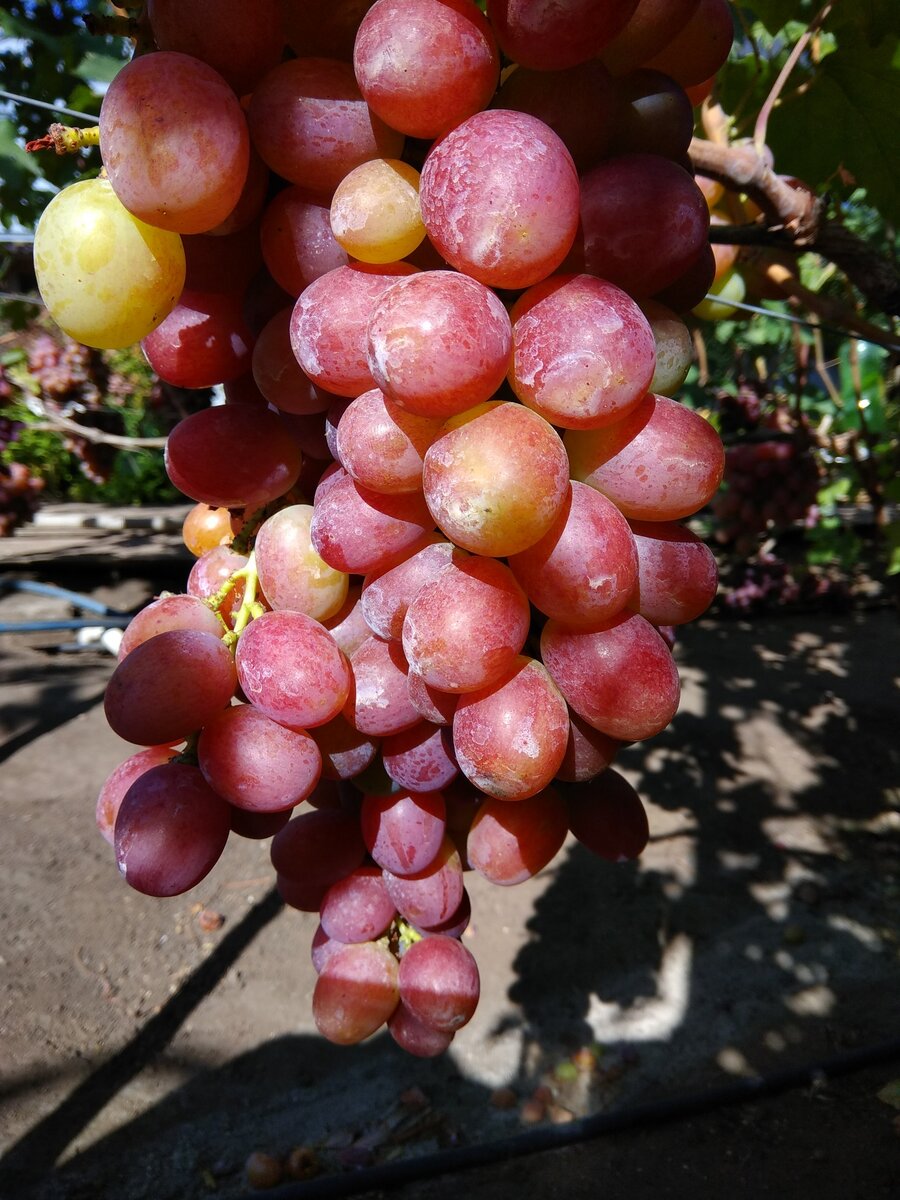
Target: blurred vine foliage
column 47, row 54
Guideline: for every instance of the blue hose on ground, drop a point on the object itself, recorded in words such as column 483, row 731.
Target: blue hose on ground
column 110, row 621
column 85, row 603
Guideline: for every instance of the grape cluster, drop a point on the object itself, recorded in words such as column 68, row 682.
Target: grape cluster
column 767, row 583
column 772, row 477
column 437, row 519
column 19, row 489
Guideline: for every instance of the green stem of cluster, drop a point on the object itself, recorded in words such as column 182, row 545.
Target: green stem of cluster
column 406, row 936
column 250, row 606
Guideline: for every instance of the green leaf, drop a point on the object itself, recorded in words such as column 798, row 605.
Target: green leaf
column 890, row 1093
column 99, row 68
column 847, row 121
column 15, row 156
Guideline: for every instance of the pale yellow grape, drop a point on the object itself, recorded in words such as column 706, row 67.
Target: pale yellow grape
column 724, row 294
column 375, row 212
column 106, row 278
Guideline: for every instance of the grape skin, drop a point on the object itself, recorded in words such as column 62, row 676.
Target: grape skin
column 106, row 277
column 170, row 830
column 189, row 176
column 169, row 686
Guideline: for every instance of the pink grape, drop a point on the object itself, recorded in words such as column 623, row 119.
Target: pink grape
column 585, row 568
column 326, row 28
column 509, row 843
column 357, row 908
column 584, row 352
column 654, row 116
column 620, row 677
column 551, row 36
column 434, row 705
column 203, row 341
column 279, row 376
column 588, row 752
column 329, row 325
column 212, row 570
column 660, row 463
column 309, row 122
column 169, row 612
column 357, row 530
column 465, row 627
column 232, row 457
column 189, row 175
column 322, row 948
column 510, row 738
column 609, row 818
column 382, row 446
column 644, row 222
column 239, row 42
column 420, row 758
column 677, row 573
column 170, row 831
column 346, row 752
column 318, row 847
column 404, row 832
column 387, row 594
column 578, row 103
column 169, row 686
column 414, row 1036
column 348, row 625
column 255, row 763
column 457, row 923
column 700, row 46
column 425, row 65
column 379, row 703
column 299, row 893
column 496, row 480
column 257, row 826
column 296, row 239
column 439, row 983
column 356, row 992
column 291, row 572
column 432, row 895
column 653, row 24
column 499, row 197
column 117, row 784
column 221, row 263
column 439, row 343
column 290, row 669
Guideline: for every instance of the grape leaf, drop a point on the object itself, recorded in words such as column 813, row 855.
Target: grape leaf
column 847, row 121
column 99, row 68
column 877, row 18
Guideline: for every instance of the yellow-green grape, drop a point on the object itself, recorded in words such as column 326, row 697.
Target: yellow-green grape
column 674, row 348
column 375, row 212
column 106, row 278
column 724, row 294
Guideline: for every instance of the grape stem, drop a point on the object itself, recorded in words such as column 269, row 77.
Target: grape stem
column 402, row 936
column 66, row 139
column 250, row 606
column 189, row 754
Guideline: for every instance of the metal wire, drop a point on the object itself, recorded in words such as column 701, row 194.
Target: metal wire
column 57, row 108
column 783, row 316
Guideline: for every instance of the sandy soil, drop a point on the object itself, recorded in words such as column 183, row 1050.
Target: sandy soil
column 144, row 1056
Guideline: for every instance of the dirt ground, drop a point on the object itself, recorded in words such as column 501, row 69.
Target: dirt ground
column 144, row 1053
